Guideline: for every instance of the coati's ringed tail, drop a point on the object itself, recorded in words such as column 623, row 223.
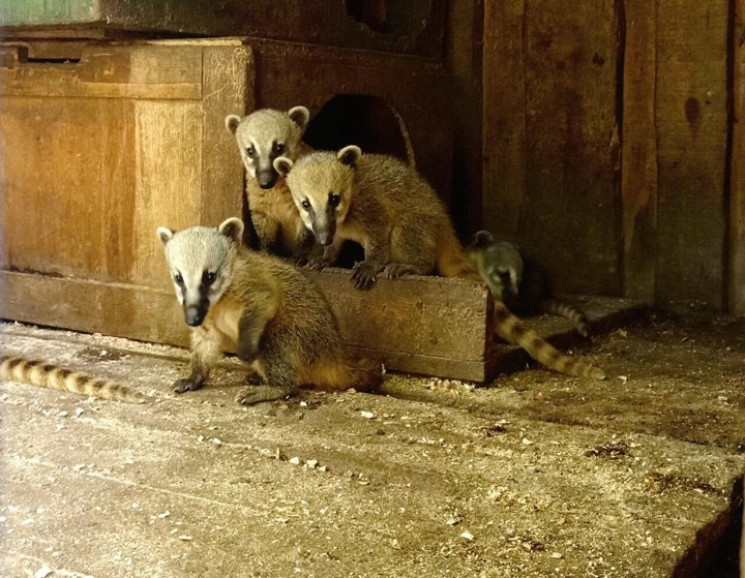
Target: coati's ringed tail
column 51, row 376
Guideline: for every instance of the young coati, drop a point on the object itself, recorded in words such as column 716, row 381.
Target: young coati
column 385, row 206
column 518, row 281
column 43, row 374
column 262, row 308
column 262, row 136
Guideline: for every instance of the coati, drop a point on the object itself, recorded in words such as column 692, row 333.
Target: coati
column 385, row 206
column 262, row 308
column 43, row 374
column 262, row 136
column 519, row 281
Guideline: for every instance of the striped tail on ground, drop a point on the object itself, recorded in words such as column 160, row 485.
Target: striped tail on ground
column 568, row 311
column 512, row 329
column 48, row 375
column 453, row 262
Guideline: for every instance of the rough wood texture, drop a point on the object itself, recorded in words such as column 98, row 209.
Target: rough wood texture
column 426, row 325
column 415, row 26
column 568, row 209
column 504, row 137
column 94, row 159
column 639, row 152
column 691, row 125
column 737, row 169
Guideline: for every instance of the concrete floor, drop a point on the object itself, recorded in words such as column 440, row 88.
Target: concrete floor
column 537, row 475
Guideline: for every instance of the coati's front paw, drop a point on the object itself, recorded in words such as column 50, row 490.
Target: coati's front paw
column 187, row 384
column 398, row 270
column 364, row 275
column 316, row 263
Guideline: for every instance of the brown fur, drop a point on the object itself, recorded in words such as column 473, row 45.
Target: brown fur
column 401, row 223
column 277, row 320
column 43, row 374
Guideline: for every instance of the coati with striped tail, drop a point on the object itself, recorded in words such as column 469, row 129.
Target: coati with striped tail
column 388, row 208
column 520, row 282
column 49, row 375
column 260, row 307
column 262, row 136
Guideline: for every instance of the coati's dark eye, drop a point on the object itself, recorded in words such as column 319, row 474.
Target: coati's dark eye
column 305, row 204
column 334, row 199
column 251, row 151
column 279, row 148
column 178, row 278
column 208, row 278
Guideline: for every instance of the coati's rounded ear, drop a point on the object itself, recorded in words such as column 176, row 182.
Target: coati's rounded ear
column 349, row 155
column 231, row 122
column 283, row 165
column 165, row 234
column 299, row 115
column 232, row 228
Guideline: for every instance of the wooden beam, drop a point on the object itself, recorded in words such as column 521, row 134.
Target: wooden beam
column 639, row 151
column 425, row 325
column 691, row 125
column 504, row 116
column 736, row 291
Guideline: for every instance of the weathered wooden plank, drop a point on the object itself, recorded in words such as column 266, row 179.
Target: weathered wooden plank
column 639, row 151
column 691, row 124
column 504, row 117
column 102, row 71
column 425, row 325
column 737, row 170
column 571, row 211
column 117, row 309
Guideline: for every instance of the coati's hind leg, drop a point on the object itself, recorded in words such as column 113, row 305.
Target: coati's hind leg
column 412, row 253
column 280, row 375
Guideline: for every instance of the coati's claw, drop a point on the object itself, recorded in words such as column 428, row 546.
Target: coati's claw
column 186, row 384
column 364, row 276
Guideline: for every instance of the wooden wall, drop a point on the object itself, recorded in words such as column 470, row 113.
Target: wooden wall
column 610, row 147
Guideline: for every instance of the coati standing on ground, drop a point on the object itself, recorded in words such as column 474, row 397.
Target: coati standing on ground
column 262, row 136
column 264, row 309
column 385, row 206
column 518, row 281
column 49, row 375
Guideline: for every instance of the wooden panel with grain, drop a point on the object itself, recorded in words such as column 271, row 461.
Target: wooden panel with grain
column 639, row 168
column 737, row 171
column 504, row 138
column 427, row 325
column 691, row 124
column 103, row 145
column 550, row 108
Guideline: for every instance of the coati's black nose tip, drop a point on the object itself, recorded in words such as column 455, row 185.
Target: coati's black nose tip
column 267, row 185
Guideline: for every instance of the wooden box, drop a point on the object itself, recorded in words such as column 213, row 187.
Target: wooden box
column 101, row 143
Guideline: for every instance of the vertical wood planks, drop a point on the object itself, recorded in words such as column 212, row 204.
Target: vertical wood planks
column 550, row 84
column 639, row 151
column 503, row 127
column 691, row 125
column 737, row 169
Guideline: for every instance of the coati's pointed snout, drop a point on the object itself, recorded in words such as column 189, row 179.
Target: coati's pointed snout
column 267, row 179
column 195, row 315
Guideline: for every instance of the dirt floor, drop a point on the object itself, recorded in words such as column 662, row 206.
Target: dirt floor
column 536, row 475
